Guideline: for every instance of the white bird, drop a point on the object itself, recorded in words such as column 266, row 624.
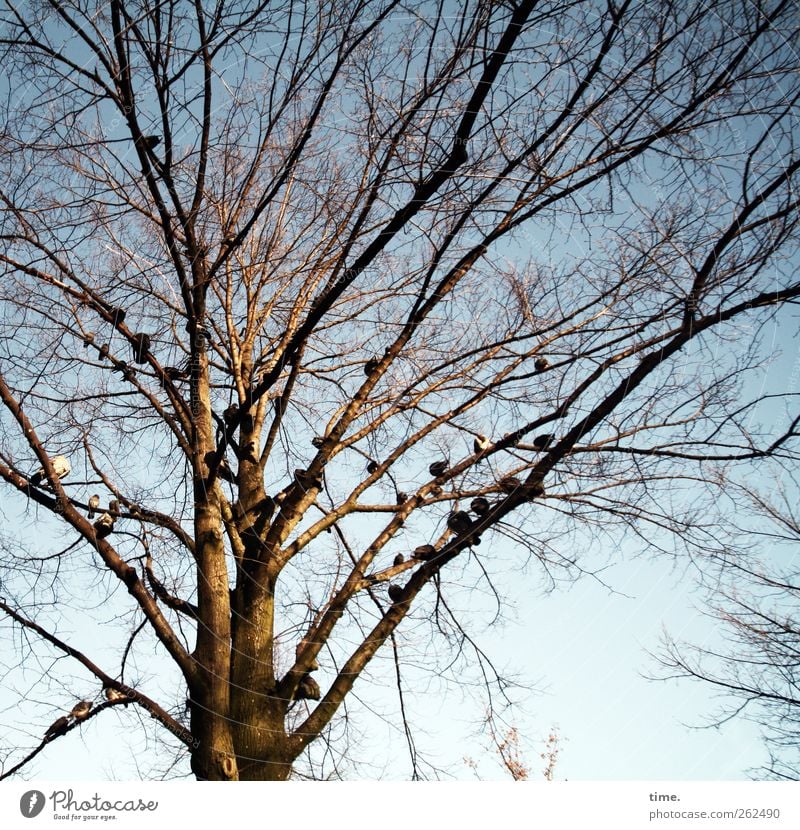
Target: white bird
column 61, row 467
column 481, row 444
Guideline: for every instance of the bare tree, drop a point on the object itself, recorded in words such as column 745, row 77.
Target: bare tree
column 756, row 666
column 318, row 297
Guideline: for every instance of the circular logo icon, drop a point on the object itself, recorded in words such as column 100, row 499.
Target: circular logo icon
column 31, row 803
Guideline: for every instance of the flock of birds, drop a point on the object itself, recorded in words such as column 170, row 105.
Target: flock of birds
column 79, row 712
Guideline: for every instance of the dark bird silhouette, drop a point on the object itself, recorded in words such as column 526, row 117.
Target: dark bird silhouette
column 174, row 373
column 80, row 711
column 141, row 346
column 438, row 468
column 534, row 490
column 542, row 442
column 317, row 441
column 424, row 552
column 151, row 141
column 104, row 350
column 61, row 467
column 479, row 506
column 370, row 366
column 113, row 508
column 103, row 526
column 508, row 484
column 57, row 728
column 118, row 315
column 372, row 466
column 94, row 503
column 459, row 521
column 402, row 497
column 395, row 593
column 541, row 363
column 230, row 413
column 223, row 468
column 308, row 689
column 481, row 444
column 399, row 559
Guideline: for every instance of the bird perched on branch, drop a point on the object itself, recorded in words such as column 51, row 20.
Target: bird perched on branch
column 174, row 373
column 395, row 593
column 481, row 444
column 94, row 503
column 401, row 497
column 308, row 689
column 399, row 559
column 61, row 467
column 113, row 508
column 424, row 552
column 103, row 526
column 459, row 521
column 438, row 468
column 80, row 711
column 370, row 366
column 57, row 728
column 151, row 141
column 317, row 441
column 113, row 695
column 118, row 315
column 508, row 484
column 479, row 506
column 372, row 466
column 141, row 346
column 541, row 363
column 230, row 414
column 104, row 350
column 542, row 442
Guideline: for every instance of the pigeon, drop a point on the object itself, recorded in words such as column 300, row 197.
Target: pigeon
column 479, row 506
column 459, row 522
column 113, row 508
column 308, row 689
column 173, row 373
column 57, row 728
column 317, row 441
column 104, row 350
column 509, row 484
column 94, row 503
column 399, row 559
column 113, row 695
column 402, row 497
column 118, row 315
column 230, row 413
column 61, row 467
column 438, row 468
column 103, row 526
column 424, row 552
column 542, row 442
column 151, row 141
column 395, row 593
column 80, row 711
column 370, row 366
column 541, row 363
column 481, row 444
column 141, row 346
column 372, row 466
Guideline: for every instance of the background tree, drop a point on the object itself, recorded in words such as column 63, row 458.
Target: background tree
column 756, row 666
column 266, row 264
